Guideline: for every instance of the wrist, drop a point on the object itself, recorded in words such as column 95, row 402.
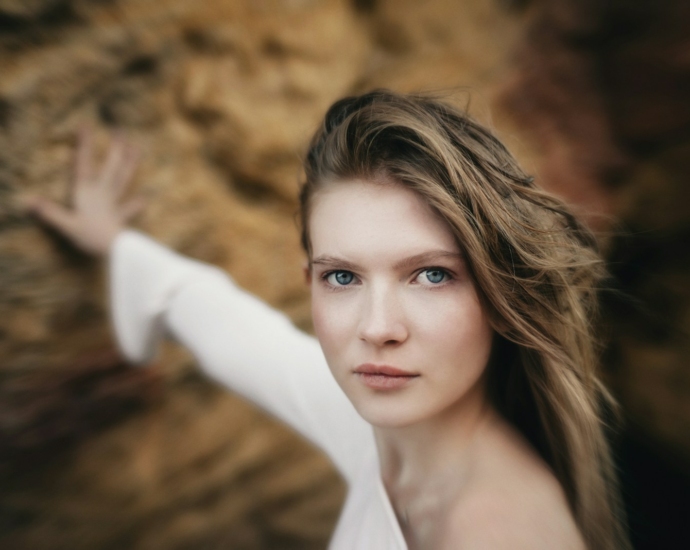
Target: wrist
column 100, row 241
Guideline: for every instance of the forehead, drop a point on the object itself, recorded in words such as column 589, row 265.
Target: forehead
column 376, row 221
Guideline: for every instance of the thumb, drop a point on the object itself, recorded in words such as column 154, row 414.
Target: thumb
column 53, row 214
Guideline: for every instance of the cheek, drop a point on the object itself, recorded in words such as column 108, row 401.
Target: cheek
column 457, row 334
column 320, row 318
column 330, row 320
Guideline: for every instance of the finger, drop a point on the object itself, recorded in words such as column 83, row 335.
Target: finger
column 53, row 214
column 132, row 207
column 126, row 170
column 115, row 156
column 82, row 167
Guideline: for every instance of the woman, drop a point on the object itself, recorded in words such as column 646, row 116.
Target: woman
column 452, row 301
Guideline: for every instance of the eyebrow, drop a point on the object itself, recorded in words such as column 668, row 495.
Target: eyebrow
column 333, row 261
column 423, row 258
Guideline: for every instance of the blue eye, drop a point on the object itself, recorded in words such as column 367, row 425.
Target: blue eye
column 340, row 278
column 434, row 275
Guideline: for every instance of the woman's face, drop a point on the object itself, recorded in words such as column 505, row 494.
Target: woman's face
column 394, row 307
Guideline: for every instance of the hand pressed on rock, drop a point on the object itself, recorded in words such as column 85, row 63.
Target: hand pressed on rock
column 97, row 214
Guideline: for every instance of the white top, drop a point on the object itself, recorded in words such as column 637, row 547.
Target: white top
column 255, row 350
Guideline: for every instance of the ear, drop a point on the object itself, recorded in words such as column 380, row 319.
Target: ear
column 307, row 273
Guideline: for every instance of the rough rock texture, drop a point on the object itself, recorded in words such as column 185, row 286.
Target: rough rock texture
column 222, row 96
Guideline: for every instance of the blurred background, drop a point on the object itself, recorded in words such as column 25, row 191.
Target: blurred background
column 222, row 95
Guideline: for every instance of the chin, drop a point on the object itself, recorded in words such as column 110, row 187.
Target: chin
column 384, row 413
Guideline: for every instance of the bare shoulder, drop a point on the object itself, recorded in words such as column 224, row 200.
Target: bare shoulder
column 513, row 502
column 498, row 520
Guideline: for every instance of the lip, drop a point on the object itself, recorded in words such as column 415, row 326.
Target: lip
column 386, row 370
column 383, row 377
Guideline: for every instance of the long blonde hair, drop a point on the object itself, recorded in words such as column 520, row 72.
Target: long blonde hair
column 536, row 267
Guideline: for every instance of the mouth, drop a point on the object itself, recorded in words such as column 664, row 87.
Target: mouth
column 383, row 377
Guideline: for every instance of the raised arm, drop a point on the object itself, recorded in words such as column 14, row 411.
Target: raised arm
column 237, row 339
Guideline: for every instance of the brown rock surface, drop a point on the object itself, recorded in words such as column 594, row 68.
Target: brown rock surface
column 222, row 96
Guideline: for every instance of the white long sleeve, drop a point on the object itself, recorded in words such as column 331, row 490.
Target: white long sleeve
column 236, row 338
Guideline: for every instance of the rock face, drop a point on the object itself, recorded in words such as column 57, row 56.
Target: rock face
column 222, row 96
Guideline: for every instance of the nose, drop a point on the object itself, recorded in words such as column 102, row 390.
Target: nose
column 382, row 320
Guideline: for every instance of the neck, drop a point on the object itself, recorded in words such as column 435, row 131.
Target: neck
column 431, row 461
